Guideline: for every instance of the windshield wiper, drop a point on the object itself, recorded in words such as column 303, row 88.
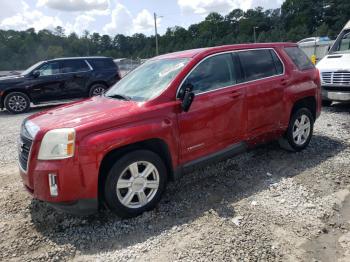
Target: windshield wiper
column 119, row 96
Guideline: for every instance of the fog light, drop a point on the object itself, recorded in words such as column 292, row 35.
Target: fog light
column 53, row 185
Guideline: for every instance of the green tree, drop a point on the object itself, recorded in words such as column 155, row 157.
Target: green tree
column 296, row 19
column 54, row 52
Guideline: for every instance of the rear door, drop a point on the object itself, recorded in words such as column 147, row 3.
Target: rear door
column 265, row 82
column 215, row 118
column 75, row 75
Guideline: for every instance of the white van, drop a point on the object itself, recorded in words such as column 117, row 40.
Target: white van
column 335, row 69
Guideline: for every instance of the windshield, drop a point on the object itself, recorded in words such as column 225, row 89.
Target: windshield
column 344, row 43
column 148, row 80
column 30, row 69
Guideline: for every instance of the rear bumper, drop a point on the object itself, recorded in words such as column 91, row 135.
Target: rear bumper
column 340, row 96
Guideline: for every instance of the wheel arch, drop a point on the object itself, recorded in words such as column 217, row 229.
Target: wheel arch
column 98, row 82
column 155, row 145
column 306, row 102
column 13, row 90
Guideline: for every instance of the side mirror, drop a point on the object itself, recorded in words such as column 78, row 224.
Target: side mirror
column 36, row 74
column 187, row 97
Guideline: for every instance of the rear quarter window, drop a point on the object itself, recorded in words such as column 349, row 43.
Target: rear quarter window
column 102, row 64
column 299, row 58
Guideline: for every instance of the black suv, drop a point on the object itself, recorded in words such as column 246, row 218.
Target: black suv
column 56, row 80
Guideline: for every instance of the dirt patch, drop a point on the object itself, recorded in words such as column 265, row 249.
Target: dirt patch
column 333, row 243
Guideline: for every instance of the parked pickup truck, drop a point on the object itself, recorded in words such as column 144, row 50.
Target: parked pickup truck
column 335, row 70
column 173, row 113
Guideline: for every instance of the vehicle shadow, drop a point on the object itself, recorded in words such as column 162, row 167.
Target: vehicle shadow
column 338, row 108
column 216, row 188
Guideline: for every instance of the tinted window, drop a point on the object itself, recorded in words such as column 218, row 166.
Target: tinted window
column 48, row 69
column 257, row 64
column 299, row 58
column 71, row 66
column 213, row 73
column 102, row 64
column 278, row 63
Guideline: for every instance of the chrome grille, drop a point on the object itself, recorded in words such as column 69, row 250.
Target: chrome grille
column 25, row 144
column 336, row 78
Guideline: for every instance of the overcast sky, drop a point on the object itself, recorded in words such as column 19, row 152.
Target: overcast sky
column 115, row 16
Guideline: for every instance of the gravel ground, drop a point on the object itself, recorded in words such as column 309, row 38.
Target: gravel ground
column 265, row 205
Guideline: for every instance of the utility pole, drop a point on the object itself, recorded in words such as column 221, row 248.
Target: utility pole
column 156, row 33
column 255, row 27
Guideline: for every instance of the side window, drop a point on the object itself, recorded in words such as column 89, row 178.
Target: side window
column 257, row 64
column 101, row 64
column 299, row 58
column 73, row 66
column 278, row 63
column 344, row 44
column 48, row 69
column 213, row 73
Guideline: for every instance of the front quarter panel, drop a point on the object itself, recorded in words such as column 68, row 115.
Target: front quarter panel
column 94, row 147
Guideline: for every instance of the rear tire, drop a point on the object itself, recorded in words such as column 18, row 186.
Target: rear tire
column 17, row 102
column 135, row 183
column 327, row 103
column 300, row 130
column 97, row 90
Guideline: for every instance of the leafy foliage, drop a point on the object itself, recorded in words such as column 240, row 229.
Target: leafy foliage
column 296, row 19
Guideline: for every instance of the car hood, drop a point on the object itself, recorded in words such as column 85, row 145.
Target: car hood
column 335, row 61
column 96, row 111
column 11, row 79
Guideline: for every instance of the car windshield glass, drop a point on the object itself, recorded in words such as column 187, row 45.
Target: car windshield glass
column 30, row 69
column 148, row 80
column 344, row 44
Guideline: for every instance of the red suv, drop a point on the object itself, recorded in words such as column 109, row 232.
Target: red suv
column 171, row 114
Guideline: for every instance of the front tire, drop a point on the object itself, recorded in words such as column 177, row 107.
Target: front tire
column 135, row 183
column 17, row 102
column 299, row 132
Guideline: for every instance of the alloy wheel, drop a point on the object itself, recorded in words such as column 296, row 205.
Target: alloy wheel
column 17, row 103
column 138, row 184
column 98, row 91
column 301, row 130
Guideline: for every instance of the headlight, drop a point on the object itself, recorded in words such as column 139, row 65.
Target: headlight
column 57, row 144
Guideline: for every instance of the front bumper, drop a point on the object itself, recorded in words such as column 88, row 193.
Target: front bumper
column 339, row 96
column 77, row 185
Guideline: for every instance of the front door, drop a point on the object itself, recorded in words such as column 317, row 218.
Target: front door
column 48, row 85
column 215, row 118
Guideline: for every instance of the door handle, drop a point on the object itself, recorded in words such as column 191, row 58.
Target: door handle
column 235, row 94
column 78, row 75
